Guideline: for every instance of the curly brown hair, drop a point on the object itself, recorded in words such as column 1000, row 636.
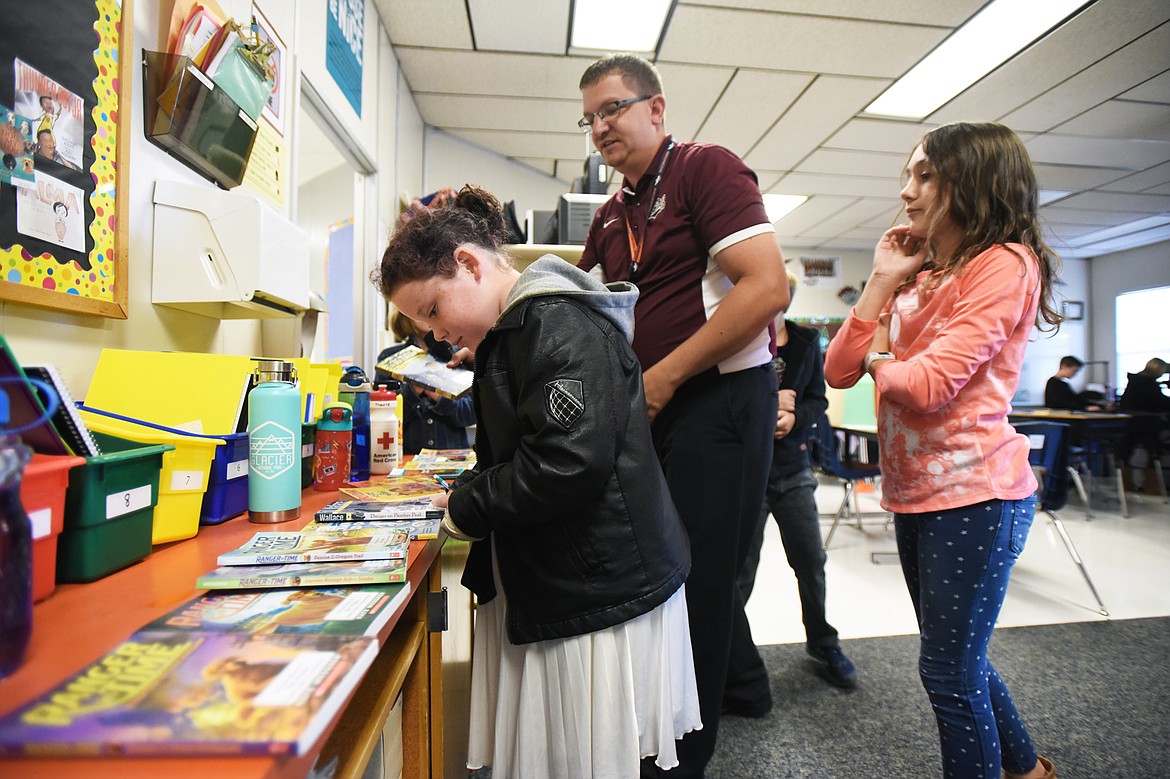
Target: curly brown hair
column 424, row 242
column 988, row 188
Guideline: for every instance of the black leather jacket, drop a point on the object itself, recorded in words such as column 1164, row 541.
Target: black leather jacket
column 567, row 485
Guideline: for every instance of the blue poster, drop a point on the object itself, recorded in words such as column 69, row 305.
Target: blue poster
column 344, row 31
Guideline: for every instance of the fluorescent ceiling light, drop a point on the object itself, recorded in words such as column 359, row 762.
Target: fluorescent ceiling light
column 618, row 25
column 982, row 44
column 780, row 206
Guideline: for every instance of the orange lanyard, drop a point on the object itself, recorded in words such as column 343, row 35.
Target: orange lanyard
column 635, row 242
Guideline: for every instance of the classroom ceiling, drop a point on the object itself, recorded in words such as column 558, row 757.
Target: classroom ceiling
column 783, row 83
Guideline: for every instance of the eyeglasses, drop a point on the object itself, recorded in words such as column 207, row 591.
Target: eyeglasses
column 608, row 112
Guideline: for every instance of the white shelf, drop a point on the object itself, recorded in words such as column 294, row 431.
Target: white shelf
column 525, row 253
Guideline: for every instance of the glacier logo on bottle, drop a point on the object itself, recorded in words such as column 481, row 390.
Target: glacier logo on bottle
column 271, row 450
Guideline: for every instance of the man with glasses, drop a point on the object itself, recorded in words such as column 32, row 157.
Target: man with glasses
column 689, row 229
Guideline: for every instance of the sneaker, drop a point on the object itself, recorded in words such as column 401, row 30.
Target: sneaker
column 837, row 668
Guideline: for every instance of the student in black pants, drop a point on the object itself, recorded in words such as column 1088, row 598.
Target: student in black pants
column 791, row 499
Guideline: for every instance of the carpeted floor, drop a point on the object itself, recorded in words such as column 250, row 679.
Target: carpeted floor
column 1095, row 695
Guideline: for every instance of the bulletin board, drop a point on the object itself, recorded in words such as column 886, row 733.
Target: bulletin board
column 65, row 69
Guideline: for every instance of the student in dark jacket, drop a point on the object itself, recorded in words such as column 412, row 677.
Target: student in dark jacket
column 1059, row 391
column 582, row 661
column 429, row 420
column 791, row 500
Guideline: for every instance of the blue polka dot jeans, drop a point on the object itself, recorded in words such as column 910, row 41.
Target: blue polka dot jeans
column 957, row 564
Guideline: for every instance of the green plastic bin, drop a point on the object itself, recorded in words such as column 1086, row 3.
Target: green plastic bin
column 109, row 509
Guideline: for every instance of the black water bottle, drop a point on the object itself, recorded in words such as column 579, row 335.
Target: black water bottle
column 16, row 603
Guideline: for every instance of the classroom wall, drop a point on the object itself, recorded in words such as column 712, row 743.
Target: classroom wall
column 453, row 162
column 1142, row 268
column 73, row 342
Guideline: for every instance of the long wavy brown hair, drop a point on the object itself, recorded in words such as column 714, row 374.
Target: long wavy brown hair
column 988, row 188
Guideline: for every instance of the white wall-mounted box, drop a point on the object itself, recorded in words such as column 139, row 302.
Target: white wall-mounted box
column 226, row 255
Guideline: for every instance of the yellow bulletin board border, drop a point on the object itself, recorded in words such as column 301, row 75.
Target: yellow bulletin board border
column 40, row 280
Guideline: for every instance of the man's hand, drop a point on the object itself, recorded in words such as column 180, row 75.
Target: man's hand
column 785, row 421
column 659, row 391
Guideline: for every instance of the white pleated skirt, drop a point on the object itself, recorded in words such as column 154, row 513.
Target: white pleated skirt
column 587, row 707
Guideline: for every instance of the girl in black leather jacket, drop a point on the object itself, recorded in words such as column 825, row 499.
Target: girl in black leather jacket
column 582, row 659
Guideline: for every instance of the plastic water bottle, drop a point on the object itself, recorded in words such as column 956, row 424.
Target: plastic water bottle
column 16, row 602
column 274, row 444
column 334, row 448
column 384, row 455
column 355, row 390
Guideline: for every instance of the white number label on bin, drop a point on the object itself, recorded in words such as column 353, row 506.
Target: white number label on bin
column 237, row 469
column 120, row 503
column 187, row 481
column 308, row 449
column 42, row 522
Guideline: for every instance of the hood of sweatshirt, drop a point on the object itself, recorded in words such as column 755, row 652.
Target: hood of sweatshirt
column 550, row 275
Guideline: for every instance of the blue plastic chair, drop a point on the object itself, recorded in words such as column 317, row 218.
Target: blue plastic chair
column 826, row 446
column 1049, row 457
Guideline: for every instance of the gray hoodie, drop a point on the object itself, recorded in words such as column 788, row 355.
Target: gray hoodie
column 550, row 275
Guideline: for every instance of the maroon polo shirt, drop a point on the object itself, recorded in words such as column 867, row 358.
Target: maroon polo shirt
column 708, row 199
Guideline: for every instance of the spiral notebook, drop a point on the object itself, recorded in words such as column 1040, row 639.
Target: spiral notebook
column 68, row 422
column 25, row 409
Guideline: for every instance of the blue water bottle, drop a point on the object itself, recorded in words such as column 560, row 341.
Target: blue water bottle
column 274, row 444
column 355, row 390
column 16, row 602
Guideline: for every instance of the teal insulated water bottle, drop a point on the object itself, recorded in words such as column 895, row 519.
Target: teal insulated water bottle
column 274, row 444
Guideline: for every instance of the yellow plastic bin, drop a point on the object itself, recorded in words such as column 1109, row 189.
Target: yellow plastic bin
column 184, row 476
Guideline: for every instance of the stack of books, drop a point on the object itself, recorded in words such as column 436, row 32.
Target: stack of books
column 250, row 672
column 318, row 557
column 401, row 501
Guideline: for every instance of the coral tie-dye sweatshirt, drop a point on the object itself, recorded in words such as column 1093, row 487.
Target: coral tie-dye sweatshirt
column 943, row 403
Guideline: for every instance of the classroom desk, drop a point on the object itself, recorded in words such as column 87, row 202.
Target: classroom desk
column 79, row 623
column 1099, row 429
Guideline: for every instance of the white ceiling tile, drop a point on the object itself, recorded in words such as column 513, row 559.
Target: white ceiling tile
column 1124, row 154
column 481, row 112
column 1074, row 177
column 691, row 90
column 1117, row 73
column 755, row 39
column 825, row 106
column 491, row 73
column 812, row 212
column 911, row 12
column 441, row 23
column 752, row 102
column 526, row 144
column 821, row 184
column 1122, row 119
column 1156, row 90
column 1139, row 203
column 520, row 25
column 857, row 163
column 885, row 135
column 1141, row 182
column 1088, row 216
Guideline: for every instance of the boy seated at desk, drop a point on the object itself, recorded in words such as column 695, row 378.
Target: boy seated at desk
column 1059, row 392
